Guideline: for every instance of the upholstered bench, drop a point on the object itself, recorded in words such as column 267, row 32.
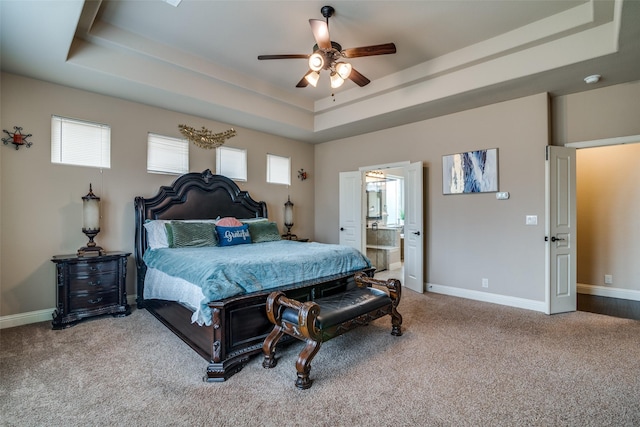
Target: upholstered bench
column 315, row 322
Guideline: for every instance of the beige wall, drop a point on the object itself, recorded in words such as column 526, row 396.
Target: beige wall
column 608, row 202
column 41, row 207
column 608, row 112
column 469, row 237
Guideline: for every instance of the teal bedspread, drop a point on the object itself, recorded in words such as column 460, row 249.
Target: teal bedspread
column 223, row 272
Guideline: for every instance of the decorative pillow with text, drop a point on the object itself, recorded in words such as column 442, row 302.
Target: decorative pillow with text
column 229, row 236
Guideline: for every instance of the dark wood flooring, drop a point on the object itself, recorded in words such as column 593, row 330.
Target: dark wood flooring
column 616, row 307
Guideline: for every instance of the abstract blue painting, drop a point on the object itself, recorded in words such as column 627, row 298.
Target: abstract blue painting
column 470, row 172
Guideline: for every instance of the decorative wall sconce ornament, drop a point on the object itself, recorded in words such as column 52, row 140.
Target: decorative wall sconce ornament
column 302, row 175
column 204, row 138
column 90, row 224
column 288, row 220
column 17, row 138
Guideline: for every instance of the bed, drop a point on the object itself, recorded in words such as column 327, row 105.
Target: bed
column 225, row 328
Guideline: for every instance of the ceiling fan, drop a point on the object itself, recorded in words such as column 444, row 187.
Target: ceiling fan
column 328, row 55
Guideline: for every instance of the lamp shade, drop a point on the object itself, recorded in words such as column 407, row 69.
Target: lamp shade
column 288, row 213
column 336, row 80
column 90, row 211
column 313, row 78
column 343, row 69
column 316, row 61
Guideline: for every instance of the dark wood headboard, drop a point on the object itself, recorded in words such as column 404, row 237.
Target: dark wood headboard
column 191, row 196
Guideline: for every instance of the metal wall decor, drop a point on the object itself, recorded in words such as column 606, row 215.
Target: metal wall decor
column 17, row 138
column 302, row 175
column 204, row 138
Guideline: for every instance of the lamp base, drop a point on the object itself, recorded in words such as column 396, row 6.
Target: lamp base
column 289, row 236
column 90, row 251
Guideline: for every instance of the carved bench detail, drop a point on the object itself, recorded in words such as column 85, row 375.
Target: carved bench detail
column 315, row 322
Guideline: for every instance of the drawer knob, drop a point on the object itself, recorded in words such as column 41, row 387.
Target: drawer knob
column 95, row 301
column 96, row 283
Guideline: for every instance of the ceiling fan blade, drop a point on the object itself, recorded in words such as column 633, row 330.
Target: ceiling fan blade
column 379, row 49
column 358, row 78
column 291, row 56
column 303, row 82
column 320, row 31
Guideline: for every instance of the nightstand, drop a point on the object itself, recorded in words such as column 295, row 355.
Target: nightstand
column 90, row 286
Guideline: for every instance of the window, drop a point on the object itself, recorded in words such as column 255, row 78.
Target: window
column 278, row 169
column 167, row 155
column 80, row 143
column 232, row 163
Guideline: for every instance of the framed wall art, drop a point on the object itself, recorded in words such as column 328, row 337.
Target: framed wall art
column 470, row 172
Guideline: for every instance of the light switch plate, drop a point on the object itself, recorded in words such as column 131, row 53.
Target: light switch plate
column 531, row 220
column 502, row 195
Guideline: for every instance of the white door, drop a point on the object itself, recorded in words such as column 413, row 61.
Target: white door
column 561, row 229
column 351, row 209
column 413, row 229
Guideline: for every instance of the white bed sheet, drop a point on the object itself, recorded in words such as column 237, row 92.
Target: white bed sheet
column 159, row 285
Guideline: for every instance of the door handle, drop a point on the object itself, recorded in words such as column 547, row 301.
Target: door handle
column 553, row 238
column 341, row 228
column 417, row 233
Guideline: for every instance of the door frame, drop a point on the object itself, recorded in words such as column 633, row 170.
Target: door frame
column 397, row 165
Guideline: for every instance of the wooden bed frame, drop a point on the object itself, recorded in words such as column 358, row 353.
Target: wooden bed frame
column 239, row 324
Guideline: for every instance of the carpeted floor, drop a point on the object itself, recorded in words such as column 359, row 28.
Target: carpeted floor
column 459, row 363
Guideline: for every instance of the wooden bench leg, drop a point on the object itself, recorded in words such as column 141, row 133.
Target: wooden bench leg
column 269, row 347
column 396, row 322
column 303, row 364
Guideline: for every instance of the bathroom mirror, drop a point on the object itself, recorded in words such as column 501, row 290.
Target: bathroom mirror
column 374, row 205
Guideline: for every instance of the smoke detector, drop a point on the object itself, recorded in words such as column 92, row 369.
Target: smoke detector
column 594, row 78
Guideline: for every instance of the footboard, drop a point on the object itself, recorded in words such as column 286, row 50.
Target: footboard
column 239, row 324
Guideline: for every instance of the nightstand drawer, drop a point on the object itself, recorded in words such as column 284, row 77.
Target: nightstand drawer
column 93, row 300
column 81, row 269
column 93, row 282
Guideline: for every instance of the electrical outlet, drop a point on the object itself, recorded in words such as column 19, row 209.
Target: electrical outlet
column 608, row 279
column 485, row 283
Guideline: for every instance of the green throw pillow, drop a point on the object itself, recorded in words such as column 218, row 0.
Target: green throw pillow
column 191, row 234
column 264, row 231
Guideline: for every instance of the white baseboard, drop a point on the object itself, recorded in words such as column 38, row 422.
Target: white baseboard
column 605, row 291
column 45, row 315
column 488, row 297
column 26, row 318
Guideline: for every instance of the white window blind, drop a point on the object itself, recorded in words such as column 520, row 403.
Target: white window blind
column 232, row 163
column 81, row 143
column 278, row 169
column 167, row 155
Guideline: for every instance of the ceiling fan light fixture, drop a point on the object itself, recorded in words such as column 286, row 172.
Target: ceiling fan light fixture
column 316, row 61
column 343, row 69
column 312, row 78
column 336, row 80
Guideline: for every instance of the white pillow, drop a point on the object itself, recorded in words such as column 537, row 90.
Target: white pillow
column 157, row 233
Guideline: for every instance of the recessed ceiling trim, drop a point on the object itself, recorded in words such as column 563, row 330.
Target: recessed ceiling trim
column 197, row 87
column 569, row 50
column 111, row 37
column 540, row 31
